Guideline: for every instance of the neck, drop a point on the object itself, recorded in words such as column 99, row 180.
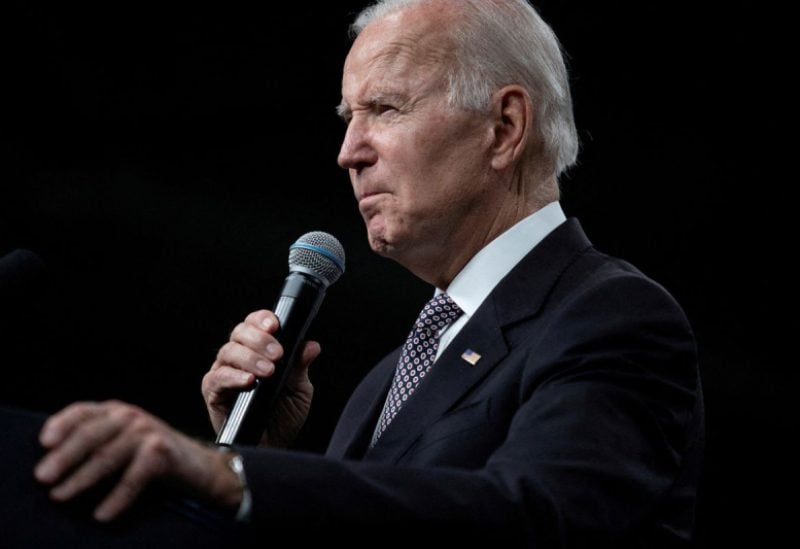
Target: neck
column 455, row 250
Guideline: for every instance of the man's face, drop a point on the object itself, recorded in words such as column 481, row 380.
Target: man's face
column 418, row 166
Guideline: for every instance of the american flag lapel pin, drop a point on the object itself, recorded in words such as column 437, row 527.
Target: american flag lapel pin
column 471, row 356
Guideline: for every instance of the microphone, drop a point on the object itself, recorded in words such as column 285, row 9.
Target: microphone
column 316, row 261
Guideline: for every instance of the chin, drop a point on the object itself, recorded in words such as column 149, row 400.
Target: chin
column 379, row 245
column 382, row 243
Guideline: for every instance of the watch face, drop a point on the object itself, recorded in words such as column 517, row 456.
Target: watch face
column 236, row 465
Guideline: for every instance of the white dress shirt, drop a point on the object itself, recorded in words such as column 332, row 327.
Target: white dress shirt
column 488, row 267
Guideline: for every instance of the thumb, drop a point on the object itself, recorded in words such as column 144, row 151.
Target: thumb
column 299, row 374
column 311, row 350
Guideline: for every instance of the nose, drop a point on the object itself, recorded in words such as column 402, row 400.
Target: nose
column 357, row 150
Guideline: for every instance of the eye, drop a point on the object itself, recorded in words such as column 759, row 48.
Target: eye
column 383, row 108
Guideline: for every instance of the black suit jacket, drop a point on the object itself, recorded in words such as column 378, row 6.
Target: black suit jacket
column 580, row 425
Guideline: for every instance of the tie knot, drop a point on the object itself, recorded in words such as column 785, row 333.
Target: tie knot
column 438, row 312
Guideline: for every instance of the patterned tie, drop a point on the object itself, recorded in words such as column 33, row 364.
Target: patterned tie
column 417, row 356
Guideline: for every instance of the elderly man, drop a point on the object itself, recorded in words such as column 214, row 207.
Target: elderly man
column 548, row 394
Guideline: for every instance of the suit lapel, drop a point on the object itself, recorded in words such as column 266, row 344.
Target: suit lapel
column 361, row 416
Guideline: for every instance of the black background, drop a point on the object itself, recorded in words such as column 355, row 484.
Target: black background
column 162, row 156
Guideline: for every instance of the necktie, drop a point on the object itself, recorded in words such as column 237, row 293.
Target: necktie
column 417, row 356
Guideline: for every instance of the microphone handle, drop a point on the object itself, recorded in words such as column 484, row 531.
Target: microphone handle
column 296, row 307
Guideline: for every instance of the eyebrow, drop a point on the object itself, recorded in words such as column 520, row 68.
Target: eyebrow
column 344, row 111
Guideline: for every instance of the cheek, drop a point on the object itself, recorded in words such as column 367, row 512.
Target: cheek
column 431, row 171
column 451, row 158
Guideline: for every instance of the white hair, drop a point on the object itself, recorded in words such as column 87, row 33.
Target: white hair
column 502, row 42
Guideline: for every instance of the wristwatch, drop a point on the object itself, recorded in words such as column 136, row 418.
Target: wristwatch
column 236, row 465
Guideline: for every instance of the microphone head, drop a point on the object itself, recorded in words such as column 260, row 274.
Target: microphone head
column 319, row 254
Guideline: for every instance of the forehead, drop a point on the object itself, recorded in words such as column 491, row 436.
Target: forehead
column 403, row 50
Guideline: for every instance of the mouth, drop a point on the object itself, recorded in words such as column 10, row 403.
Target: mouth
column 366, row 195
column 368, row 202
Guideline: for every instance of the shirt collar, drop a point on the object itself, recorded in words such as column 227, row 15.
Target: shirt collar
column 495, row 260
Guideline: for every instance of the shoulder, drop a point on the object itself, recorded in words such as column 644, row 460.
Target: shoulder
column 584, row 306
column 597, row 285
column 565, row 272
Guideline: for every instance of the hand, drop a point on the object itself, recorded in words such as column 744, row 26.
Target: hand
column 252, row 351
column 88, row 442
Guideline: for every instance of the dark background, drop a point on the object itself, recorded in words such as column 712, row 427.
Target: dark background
column 162, row 157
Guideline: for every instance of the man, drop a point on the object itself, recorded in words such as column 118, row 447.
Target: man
column 552, row 401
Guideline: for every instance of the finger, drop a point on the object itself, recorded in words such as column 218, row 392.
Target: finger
column 224, row 381
column 238, row 356
column 149, row 462
column 104, row 461
column 58, row 426
column 266, row 320
column 258, row 340
column 97, row 427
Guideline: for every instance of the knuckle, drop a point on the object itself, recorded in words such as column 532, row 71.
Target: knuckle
column 140, row 423
column 155, row 444
column 156, row 452
column 222, row 354
column 226, row 352
column 220, row 358
column 122, row 412
column 81, row 409
column 206, row 384
column 212, row 383
column 256, row 316
column 238, row 329
column 239, row 357
column 251, row 337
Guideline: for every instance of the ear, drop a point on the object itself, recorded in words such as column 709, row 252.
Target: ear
column 512, row 110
